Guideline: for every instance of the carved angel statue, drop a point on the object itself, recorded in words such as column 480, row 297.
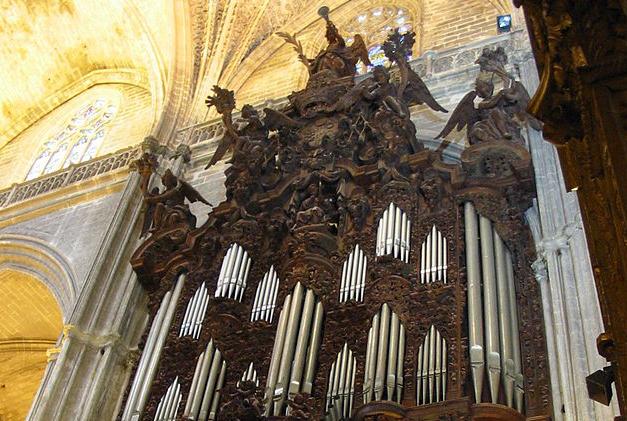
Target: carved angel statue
column 252, row 132
column 497, row 117
column 337, row 57
column 411, row 89
column 168, row 208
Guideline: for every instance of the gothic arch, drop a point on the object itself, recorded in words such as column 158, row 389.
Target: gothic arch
column 37, row 258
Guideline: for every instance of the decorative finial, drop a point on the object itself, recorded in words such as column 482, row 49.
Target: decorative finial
column 324, row 12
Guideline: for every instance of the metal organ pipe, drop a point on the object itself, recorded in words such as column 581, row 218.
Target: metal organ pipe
column 169, row 403
column 393, row 233
column 384, row 357
column 144, row 378
column 265, row 297
column 341, row 386
column 295, row 349
column 433, row 257
column 493, row 280
column 431, row 373
column 250, row 374
column 353, row 279
column 204, row 393
column 233, row 273
column 475, row 308
column 195, row 313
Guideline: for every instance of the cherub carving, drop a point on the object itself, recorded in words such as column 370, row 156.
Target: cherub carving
column 246, row 404
column 168, row 208
column 337, row 57
column 498, row 117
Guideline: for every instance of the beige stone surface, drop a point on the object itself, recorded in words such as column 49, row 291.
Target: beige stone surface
column 30, row 323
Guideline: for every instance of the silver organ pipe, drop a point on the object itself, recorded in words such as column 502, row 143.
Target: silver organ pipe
column 169, row 403
column 233, row 273
column 433, row 258
column 204, row 393
column 353, row 279
column 151, row 355
column 265, row 297
column 295, row 349
column 341, row 386
column 475, row 308
column 431, row 372
column 250, row 375
column 491, row 280
column 384, row 357
column 393, row 233
column 195, row 313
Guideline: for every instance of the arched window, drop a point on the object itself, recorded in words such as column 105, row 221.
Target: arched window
column 77, row 142
column 375, row 25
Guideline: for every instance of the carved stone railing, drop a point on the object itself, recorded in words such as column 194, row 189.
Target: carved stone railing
column 429, row 65
column 67, row 176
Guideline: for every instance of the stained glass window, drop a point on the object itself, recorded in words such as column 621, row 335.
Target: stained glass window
column 77, row 142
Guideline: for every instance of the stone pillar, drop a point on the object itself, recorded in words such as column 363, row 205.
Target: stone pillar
column 99, row 345
column 571, row 309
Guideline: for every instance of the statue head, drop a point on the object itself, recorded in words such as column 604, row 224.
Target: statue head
column 248, row 111
column 484, row 86
column 169, row 180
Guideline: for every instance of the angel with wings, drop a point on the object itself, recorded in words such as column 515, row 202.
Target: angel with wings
column 497, row 117
column 168, row 208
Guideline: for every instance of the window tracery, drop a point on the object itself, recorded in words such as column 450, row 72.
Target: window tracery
column 78, row 141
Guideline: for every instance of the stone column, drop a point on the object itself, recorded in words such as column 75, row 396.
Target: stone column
column 99, row 345
column 571, row 309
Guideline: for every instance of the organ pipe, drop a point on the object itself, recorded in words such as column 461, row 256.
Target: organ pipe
column 265, row 297
column 169, row 403
column 195, row 313
column 295, row 349
column 341, row 386
column 233, row 273
column 154, row 347
column 393, row 233
column 433, row 258
column 491, row 278
column 475, row 308
column 250, row 374
column 353, row 279
column 431, row 372
column 384, row 357
column 204, row 393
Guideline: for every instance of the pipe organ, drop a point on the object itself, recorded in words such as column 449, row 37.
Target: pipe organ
column 169, row 403
column 431, row 371
column 394, row 234
column 265, row 297
column 336, row 193
column 341, row 386
column 433, row 258
column 293, row 363
column 233, row 273
column 383, row 373
column 204, row 393
column 195, row 313
column 354, row 276
column 492, row 306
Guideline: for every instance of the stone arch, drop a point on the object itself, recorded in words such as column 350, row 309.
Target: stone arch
column 36, row 258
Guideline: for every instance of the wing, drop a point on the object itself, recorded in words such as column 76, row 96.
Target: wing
column 416, row 92
column 465, row 114
column 275, row 120
column 360, row 50
column 192, row 194
column 519, row 107
column 221, row 150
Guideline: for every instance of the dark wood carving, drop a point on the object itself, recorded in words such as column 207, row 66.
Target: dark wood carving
column 309, row 182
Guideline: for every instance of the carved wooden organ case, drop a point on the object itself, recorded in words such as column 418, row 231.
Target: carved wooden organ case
column 349, row 274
